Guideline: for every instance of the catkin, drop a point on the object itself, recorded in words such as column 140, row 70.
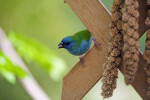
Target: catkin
column 130, row 38
column 115, row 44
column 147, row 50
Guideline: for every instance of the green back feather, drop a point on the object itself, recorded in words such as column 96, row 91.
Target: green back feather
column 80, row 36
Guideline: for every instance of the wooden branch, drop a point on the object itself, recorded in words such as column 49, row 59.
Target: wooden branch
column 96, row 18
column 29, row 83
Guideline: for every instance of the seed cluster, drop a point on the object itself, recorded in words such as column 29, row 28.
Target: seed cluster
column 130, row 37
column 110, row 73
column 147, row 50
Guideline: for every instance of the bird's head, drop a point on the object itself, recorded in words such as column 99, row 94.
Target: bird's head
column 66, row 43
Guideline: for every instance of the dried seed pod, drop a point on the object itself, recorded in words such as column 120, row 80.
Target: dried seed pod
column 130, row 37
column 135, row 35
column 111, row 59
column 136, row 5
column 148, row 45
column 148, row 92
column 136, row 26
column 123, row 10
column 117, row 38
column 130, row 32
column 147, row 70
column 131, row 41
column 129, row 2
column 115, row 44
column 125, row 26
column 148, row 80
column 147, row 51
column 115, row 16
column 135, row 58
column 114, row 8
column 125, row 16
column 109, row 83
column 130, row 9
column 125, row 38
column 148, row 34
column 127, row 55
column 118, row 61
column 125, row 47
column 113, row 32
column 147, row 56
column 135, row 13
column 148, row 2
column 147, row 21
column 137, row 45
column 131, row 21
column 115, row 52
column 117, row 2
column 128, row 63
column 120, row 46
column 132, row 49
column 119, row 25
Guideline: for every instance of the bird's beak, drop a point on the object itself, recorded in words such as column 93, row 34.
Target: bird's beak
column 60, row 46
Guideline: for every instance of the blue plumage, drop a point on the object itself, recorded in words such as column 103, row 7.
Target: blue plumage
column 77, row 44
column 73, row 47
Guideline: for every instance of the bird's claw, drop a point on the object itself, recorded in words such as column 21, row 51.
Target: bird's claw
column 96, row 43
column 81, row 60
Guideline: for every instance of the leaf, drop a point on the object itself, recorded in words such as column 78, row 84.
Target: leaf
column 9, row 70
column 9, row 76
column 31, row 50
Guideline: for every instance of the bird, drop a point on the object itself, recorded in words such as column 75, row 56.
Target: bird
column 78, row 44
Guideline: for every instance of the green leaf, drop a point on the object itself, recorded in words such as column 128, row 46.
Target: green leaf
column 142, row 41
column 30, row 50
column 9, row 76
column 9, row 70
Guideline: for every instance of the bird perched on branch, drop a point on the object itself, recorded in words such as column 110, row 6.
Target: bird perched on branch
column 78, row 44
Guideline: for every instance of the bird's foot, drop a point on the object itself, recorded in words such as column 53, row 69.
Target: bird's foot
column 81, row 60
column 96, row 43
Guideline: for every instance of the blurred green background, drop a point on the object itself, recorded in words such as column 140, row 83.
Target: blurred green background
column 41, row 24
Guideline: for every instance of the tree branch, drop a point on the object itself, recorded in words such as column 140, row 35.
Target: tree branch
column 29, row 83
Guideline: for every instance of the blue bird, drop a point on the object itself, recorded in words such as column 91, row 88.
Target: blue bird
column 78, row 44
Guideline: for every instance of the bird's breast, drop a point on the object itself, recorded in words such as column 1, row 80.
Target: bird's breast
column 81, row 49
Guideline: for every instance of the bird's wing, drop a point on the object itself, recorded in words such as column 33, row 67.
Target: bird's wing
column 82, row 35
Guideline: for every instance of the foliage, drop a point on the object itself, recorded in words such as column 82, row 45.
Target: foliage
column 142, row 41
column 9, row 70
column 30, row 50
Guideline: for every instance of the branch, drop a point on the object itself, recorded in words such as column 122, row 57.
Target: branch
column 29, row 83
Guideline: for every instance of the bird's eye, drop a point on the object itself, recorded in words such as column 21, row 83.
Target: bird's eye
column 68, row 43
